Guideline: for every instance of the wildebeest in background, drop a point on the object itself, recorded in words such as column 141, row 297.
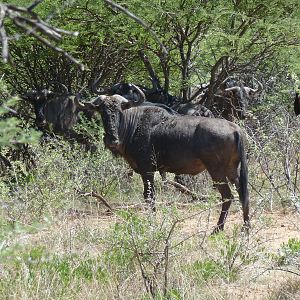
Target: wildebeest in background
column 57, row 113
column 297, row 104
column 154, row 97
column 128, row 91
column 151, row 139
column 192, row 109
column 230, row 102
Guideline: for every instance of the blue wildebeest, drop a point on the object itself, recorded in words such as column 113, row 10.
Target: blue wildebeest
column 232, row 99
column 155, row 97
column 57, row 113
column 151, row 139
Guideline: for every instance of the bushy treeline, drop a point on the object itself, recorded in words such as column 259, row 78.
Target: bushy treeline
column 205, row 42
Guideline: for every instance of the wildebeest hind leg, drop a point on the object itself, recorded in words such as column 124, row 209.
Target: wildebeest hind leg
column 227, row 198
column 149, row 192
column 245, row 206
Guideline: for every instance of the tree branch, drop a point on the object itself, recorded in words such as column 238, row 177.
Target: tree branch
column 30, row 22
column 139, row 21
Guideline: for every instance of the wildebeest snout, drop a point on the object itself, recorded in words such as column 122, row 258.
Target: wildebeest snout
column 111, row 143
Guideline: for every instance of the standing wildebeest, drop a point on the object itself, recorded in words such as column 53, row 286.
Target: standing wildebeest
column 297, row 104
column 192, row 109
column 231, row 100
column 57, row 113
column 151, row 139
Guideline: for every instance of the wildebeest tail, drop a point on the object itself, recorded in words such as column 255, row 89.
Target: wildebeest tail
column 243, row 178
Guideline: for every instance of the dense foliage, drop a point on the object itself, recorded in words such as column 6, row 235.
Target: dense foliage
column 206, row 41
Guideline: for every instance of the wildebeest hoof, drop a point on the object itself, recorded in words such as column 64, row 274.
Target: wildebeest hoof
column 246, row 227
column 151, row 205
column 217, row 229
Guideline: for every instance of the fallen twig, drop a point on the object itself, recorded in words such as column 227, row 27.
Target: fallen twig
column 99, row 197
column 275, row 269
column 182, row 188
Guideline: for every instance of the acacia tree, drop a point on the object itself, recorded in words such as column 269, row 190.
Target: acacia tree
column 35, row 65
column 211, row 40
column 25, row 19
column 22, row 18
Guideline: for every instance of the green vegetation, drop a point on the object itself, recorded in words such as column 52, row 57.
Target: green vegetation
column 11, row 129
column 58, row 240
column 288, row 253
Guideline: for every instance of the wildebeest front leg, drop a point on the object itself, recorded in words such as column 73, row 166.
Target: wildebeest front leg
column 227, row 198
column 149, row 192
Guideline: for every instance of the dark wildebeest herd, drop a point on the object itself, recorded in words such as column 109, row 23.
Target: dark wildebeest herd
column 230, row 102
column 153, row 131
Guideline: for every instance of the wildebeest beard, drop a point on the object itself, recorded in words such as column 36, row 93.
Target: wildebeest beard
column 111, row 138
column 113, row 149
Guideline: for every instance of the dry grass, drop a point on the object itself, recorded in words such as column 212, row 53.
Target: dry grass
column 85, row 234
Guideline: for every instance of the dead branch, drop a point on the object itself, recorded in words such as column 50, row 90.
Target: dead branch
column 34, row 4
column 3, row 35
column 275, row 269
column 28, row 21
column 99, row 197
column 144, row 206
column 181, row 188
column 154, row 79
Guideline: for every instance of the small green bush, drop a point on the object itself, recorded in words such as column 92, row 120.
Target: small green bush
column 288, row 252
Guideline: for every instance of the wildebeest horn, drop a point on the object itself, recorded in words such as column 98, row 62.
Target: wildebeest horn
column 66, row 90
column 140, row 93
column 82, row 105
column 78, row 103
column 260, row 86
column 93, row 104
column 234, row 88
column 254, row 91
column 224, row 81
